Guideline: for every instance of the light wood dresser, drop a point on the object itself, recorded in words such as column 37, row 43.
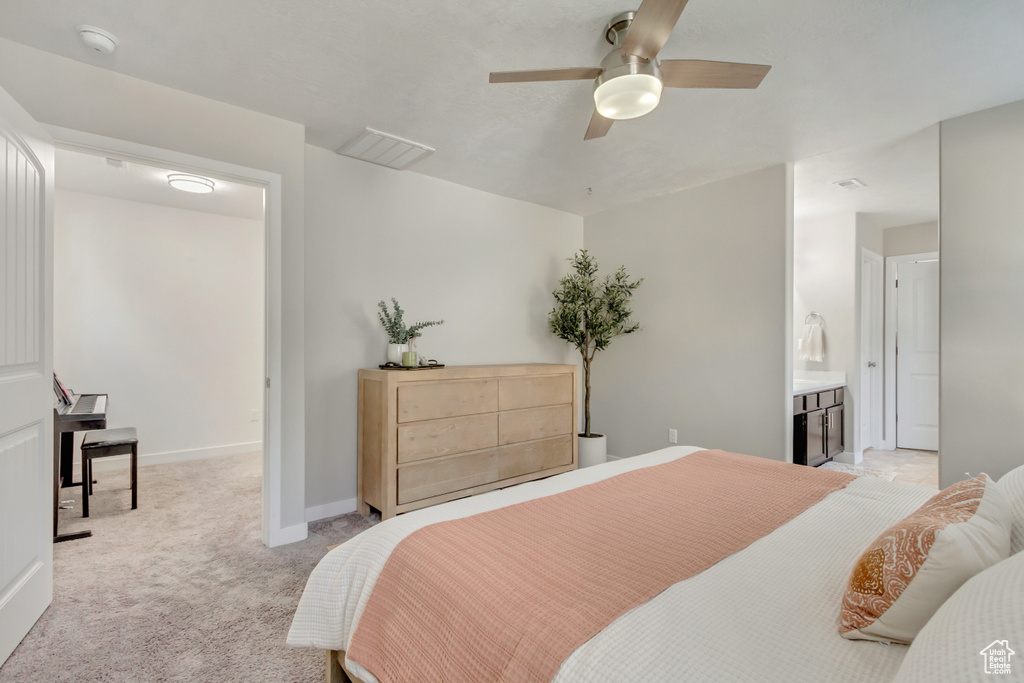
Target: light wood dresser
column 429, row 436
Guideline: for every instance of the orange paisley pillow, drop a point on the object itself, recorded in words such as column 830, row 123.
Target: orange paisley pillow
column 908, row 572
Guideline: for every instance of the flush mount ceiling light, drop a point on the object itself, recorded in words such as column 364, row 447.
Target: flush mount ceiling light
column 629, row 81
column 190, row 183
column 97, row 39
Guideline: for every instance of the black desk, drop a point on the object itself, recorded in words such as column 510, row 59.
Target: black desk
column 65, row 424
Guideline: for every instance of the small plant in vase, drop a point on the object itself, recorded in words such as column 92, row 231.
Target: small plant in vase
column 398, row 334
column 588, row 313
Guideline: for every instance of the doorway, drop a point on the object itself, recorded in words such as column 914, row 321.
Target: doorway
column 273, row 531
column 159, row 304
column 872, row 349
column 912, row 351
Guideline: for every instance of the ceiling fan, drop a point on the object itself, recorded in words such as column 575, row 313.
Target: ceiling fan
column 630, row 79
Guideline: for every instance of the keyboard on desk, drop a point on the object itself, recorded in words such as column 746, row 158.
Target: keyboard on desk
column 85, row 404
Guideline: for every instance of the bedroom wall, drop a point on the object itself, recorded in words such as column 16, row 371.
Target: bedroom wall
column 70, row 94
column 483, row 263
column 918, row 238
column 712, row 359
column 981, row 383
column 162, row 309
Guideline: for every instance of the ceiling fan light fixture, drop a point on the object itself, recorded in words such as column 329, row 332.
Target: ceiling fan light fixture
column 627, row 96
column 190, row 183
column 628, row 86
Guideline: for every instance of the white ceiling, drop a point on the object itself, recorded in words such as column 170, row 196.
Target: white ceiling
column 845, row 72
column 902, row 178
column 81, row 172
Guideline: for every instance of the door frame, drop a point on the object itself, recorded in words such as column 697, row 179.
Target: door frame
column 871, row 407
column 274, row 533
column 891, row 267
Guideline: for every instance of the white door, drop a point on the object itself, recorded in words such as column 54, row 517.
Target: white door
column 26, row 379
column 871, row 349
column 917, row 355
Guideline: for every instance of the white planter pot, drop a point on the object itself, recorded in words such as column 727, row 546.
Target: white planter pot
column 395, row 352
column 593, row 450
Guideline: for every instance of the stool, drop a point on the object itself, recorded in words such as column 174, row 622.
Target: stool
column 100, row 444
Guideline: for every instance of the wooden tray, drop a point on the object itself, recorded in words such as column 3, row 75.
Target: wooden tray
column 415, row 367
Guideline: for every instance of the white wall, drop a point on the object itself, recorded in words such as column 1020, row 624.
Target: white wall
column 162, row 309
column 485, row 264
column 918, row 238
column 981, row 385
column 70, row 94
column 710, row 360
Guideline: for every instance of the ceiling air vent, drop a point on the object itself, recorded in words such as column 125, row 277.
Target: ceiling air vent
column 384, row 149
column 850, row 183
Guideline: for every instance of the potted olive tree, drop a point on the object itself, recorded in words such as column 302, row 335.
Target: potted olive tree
column 589, row 312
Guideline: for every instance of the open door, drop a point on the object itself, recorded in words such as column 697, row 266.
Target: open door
column 26, row 373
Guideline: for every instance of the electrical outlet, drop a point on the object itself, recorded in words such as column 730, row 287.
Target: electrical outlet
column 673, row 436
column 254, row 415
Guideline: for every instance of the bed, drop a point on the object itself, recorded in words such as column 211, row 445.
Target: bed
column 769, row 611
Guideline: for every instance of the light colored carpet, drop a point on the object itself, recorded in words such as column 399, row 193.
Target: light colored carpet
column 859, row 470
column 181, row 589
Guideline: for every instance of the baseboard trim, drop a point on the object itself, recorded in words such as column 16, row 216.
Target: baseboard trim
column 849, row 457
column 338, row 507
column 116, row 462
column 614, row 457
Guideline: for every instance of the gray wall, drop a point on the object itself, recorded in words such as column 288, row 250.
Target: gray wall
column 981, row 424
column 918, row 238
column 485, row 264
column 711, row 358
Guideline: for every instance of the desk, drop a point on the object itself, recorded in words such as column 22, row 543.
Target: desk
column 65, row 424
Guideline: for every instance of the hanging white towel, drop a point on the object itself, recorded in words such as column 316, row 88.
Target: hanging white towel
column 812, row 344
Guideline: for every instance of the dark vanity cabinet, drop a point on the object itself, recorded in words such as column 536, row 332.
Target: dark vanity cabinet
column 818, row 426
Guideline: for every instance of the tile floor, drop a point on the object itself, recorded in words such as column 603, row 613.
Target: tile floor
column 911, row 467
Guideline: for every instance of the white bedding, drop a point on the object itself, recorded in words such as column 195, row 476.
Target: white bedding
column 769, row 612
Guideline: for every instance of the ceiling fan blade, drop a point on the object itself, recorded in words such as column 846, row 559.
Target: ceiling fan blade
column 699, row 73
column 599, row 127
column 572, row 74
column 651, row 27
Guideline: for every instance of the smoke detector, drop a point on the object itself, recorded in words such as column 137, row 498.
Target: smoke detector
column 850, row 183
column 97, row 39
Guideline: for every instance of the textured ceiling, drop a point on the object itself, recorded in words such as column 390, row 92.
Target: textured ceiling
column 81, row 172
column 845, row 72
column 902, row 178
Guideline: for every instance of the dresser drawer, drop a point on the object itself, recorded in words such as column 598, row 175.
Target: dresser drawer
column 534, row 423
column 532, row 392
column 430, row 401
column 421, row 440
column 423, row 480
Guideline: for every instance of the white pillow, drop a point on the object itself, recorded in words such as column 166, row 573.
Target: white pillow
column 916, row 564
column 1012, row 485
column 987, row 610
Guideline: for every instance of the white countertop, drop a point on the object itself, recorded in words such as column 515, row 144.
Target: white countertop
column 812, row 381
column 804, row 386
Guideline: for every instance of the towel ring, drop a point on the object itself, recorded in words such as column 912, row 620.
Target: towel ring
column 814, row 316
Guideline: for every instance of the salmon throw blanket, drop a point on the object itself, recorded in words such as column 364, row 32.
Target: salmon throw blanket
column 507, row 595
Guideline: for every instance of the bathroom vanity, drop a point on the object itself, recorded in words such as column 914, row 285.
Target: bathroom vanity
column 817, row 421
